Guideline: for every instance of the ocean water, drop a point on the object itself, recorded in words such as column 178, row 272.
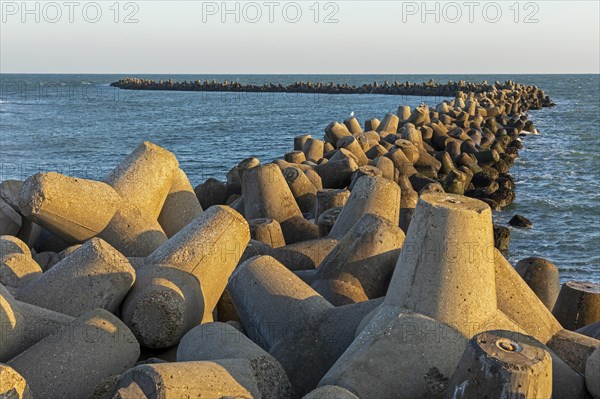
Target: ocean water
column 79, row 125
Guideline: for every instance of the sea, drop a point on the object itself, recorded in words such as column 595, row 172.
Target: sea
column 81, row 126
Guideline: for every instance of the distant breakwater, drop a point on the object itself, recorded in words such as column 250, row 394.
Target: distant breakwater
column 430, row 88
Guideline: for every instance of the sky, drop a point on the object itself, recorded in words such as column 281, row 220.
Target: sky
column 308, row 37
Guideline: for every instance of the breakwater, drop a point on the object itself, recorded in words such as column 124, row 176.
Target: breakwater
column 352, row 267
column 430, row 88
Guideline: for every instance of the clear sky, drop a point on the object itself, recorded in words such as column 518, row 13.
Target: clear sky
column 300, row 37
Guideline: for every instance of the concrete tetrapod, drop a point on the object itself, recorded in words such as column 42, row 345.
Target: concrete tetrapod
column 302, row 189
column 10, row 220
column 305, row 255
column 207, row 250
column 497, row 366
column 267, row 195
column 18, row 269
column 361, row 265
column 94, row 276
column 432, row 294
column 213, row 341
column 592, row 374
column 144, row 177
column 23, row 324
column 291, row 321
column 164, row 303
column 12, row 384
column 336, row 173
column 216, row 341
column 267, row 231
column 294, row 157
column 211, row 192
column 578, row 304
column 133, row 232
column 224, row 378
column 30, row 232
column 517, row 301
column 181, row 205
column 12, row 245
column 353, row 125
column 565, row 382
column 329, row 198
column 371, row 194
column 313, row 149
column 330, row 392
column 71, row 362
column 542, row 277
column 74, row 209
column 9, row 192
column 327, row 219
column 335, row 131
column 448, row 246
column 591, row 330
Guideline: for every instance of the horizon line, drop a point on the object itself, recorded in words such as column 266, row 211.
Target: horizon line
column 299, row 73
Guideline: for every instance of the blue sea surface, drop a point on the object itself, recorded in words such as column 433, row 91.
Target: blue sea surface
column 79, row 125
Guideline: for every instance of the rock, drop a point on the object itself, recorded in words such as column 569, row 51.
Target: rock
column 501, row 237
column 353, row 125
column 389, row 124
column 520, row 221
column 351, row 144
column 299, row 141
column 371, row 124
column 517, row 301
column 573, row 348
